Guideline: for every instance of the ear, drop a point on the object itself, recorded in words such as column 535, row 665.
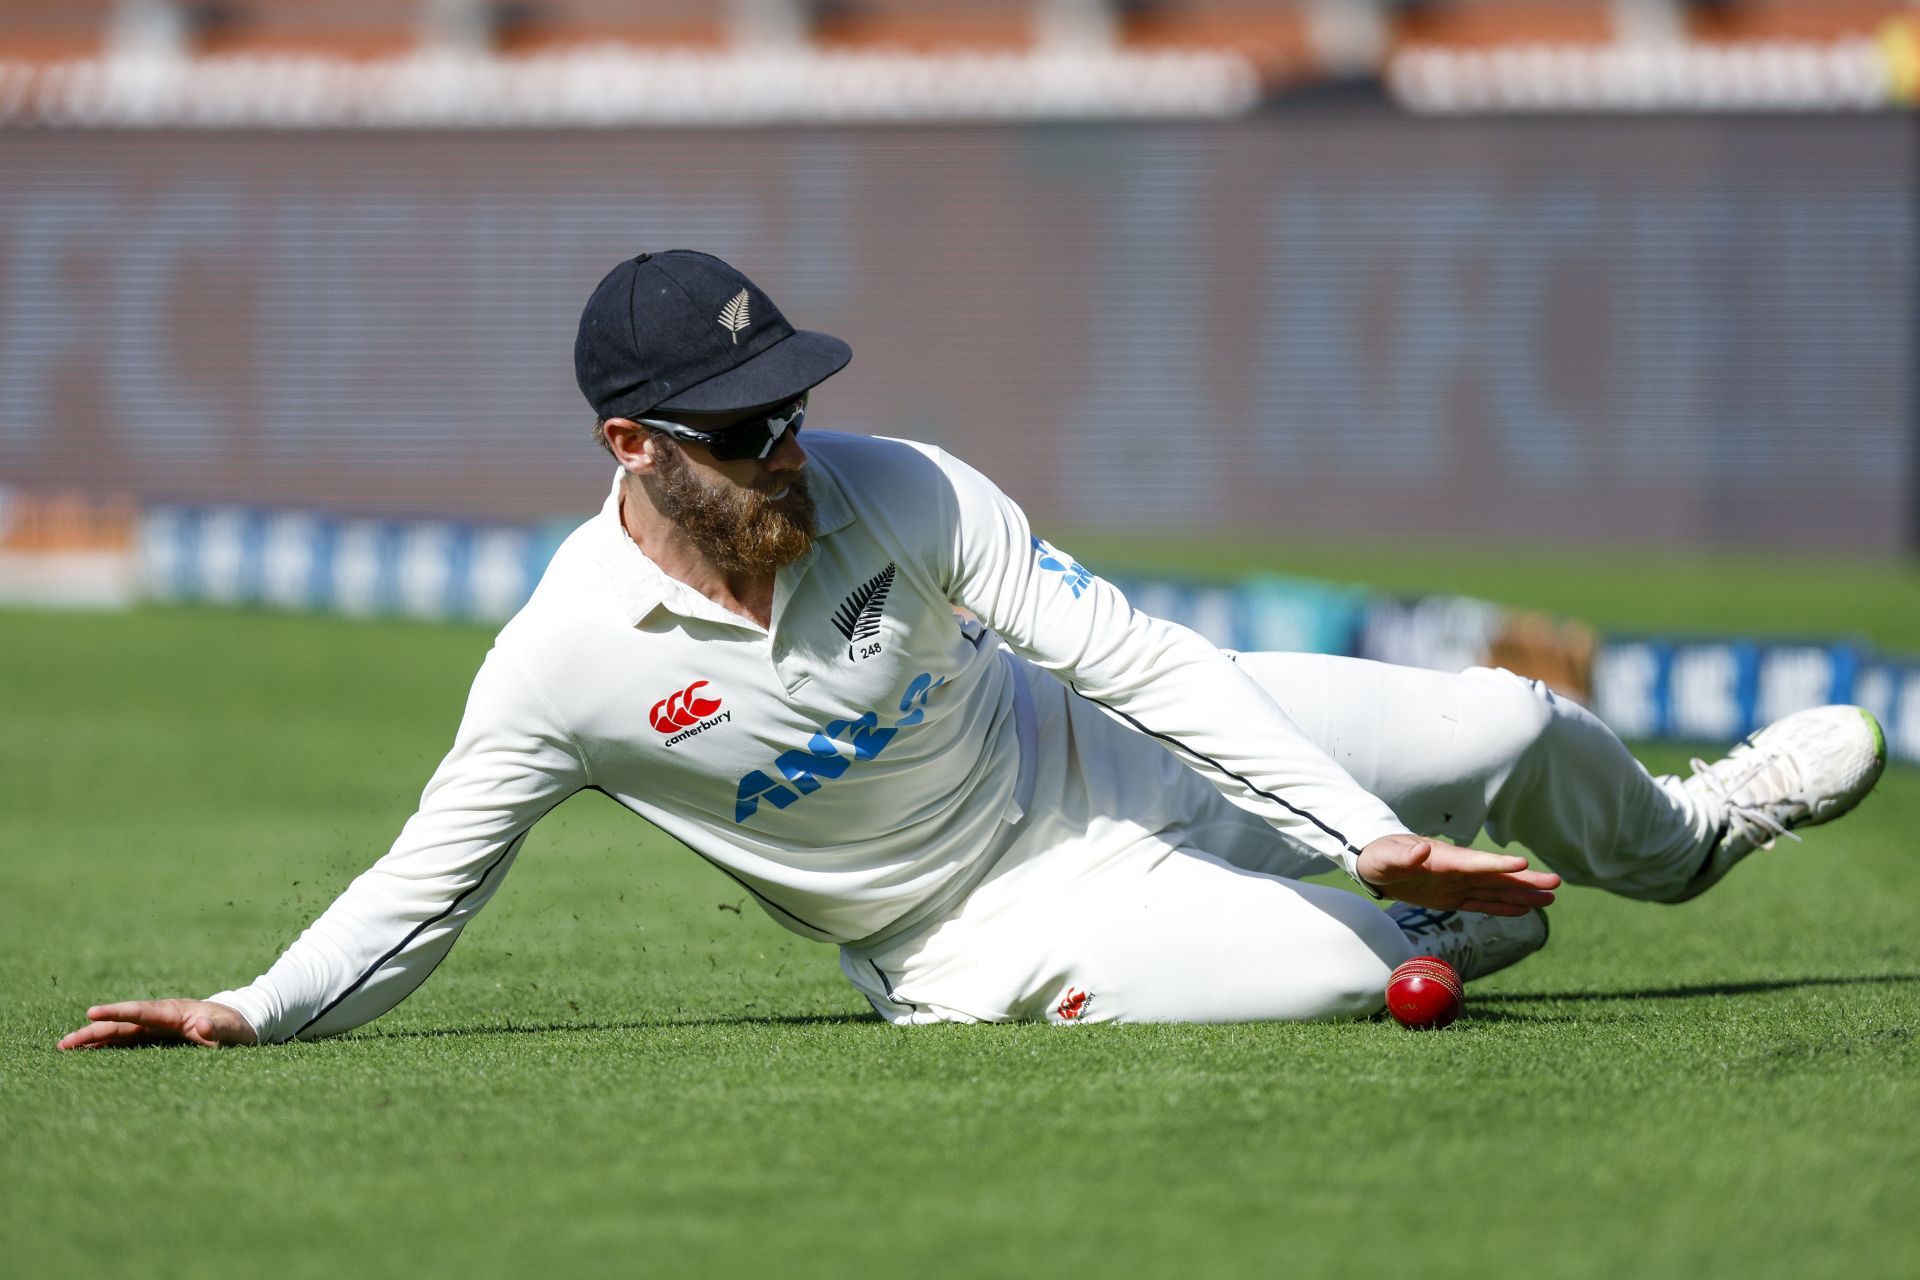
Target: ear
column 632, row 444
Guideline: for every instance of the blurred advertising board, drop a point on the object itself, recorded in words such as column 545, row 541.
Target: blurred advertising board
column 1648, row 688
column 1712, row 690
column 432, row 569
column 1665, row 331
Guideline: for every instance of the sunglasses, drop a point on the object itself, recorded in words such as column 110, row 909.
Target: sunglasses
column 754, row 438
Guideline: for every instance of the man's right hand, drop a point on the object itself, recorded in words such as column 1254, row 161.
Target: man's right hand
column 133, row 1022
column 1445, row 877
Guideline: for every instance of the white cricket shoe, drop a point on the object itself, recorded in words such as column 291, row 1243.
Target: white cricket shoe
column 1474, row 944
column 1800, row 771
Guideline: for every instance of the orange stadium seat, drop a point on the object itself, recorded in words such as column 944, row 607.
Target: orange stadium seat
column 543, row 26
column 337, row 28
column 1488, row 23
column 926, row 26
column 1791, row 19
column 34, row 30
column 1273, row 34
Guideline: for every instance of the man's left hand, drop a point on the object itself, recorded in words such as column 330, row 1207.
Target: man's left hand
column 135, row 1022
column 1446, row 877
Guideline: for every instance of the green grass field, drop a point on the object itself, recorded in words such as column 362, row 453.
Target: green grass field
column 620, row 1072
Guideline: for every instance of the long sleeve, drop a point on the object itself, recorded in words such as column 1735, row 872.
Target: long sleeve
column 1161, row 678
column 512, row 761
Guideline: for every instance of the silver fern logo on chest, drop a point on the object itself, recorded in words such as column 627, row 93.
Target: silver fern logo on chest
column 858, row 617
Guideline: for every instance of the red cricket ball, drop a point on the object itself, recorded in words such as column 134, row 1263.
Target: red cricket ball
column 1424, row 994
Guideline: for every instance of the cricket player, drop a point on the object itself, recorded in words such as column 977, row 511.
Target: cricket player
column 845, row 672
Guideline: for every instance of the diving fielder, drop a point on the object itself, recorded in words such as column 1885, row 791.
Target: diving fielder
column 1055, row 808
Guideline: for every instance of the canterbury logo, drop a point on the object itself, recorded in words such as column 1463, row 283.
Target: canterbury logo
column 1073, row 1005
column 858, row 617
column 733, row 316
column 687, row 707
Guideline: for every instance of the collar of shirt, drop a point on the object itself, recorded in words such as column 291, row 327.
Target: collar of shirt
column 641, row 586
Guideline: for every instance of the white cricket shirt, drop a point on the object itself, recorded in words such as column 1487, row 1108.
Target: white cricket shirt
column 856, row 768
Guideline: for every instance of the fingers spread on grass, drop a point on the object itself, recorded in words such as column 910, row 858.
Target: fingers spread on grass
column 129, row 1022
column 104, row 1035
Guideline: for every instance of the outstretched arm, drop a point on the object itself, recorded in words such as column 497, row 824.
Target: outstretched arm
column 511, row 762
column 1178, row 688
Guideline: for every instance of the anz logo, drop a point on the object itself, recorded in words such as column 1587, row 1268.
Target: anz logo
column 1054, row 560
column 827, row 754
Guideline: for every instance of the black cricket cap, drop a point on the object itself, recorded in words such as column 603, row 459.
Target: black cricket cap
column 682, row 330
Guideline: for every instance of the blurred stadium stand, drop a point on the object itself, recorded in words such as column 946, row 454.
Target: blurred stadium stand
column 1703, row 54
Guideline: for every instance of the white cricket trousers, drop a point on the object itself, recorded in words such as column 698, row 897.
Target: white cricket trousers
column 1133, row 891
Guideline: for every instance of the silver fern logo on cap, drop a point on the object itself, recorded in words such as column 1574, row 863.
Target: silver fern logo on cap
column 733, row 316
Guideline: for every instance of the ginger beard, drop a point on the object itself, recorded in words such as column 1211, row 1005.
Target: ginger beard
column 738, row 530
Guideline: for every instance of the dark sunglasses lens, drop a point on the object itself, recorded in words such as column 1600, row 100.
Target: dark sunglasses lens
column 758, row 439
column 737, row 445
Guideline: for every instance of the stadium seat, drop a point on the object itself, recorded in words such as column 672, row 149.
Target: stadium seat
column 1790, row 19
column 915, row 26
column 336, row 28
column 551, row 26
column 1273, row 34
column 35, row 31
column 1489, row 23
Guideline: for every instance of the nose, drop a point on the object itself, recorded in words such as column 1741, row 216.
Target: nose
column 787, row 455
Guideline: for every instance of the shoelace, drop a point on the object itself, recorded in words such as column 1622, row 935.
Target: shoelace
column 1754, row 824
